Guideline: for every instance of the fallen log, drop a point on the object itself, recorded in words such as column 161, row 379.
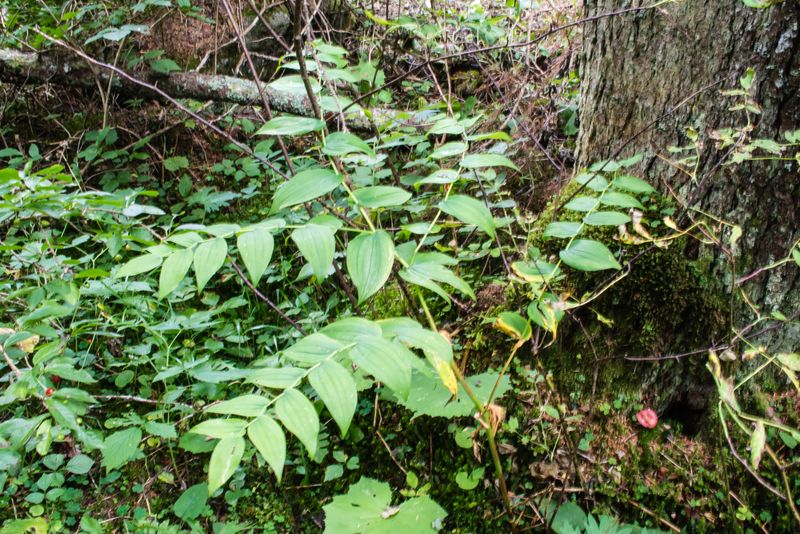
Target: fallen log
column 59, row 69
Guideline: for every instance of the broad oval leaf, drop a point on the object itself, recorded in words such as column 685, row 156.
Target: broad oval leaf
column 300, row 418
column 369, row 262
column 139, row 265
column 290, row 125
column 562, row 230
column 317, row 244
column 582, row 203
column 620, row 200
column 305, row 186
column 514, row 325
column 220, row 428
column 606, row 218
column 632, row 184
column 343, row 143
column 225, row 458
column 593, row 181
column 348, row 329
column 470, row 211
column 381, row 196
column 337, row 389
column 173, row 270
column 474, row 161
column 269, row 440
column 589, row 255
column 387, row 361
column 277, row 378
column 208, row 258
column 313, row 349
column 243, row 405
column 255, row 247
column 449, row 150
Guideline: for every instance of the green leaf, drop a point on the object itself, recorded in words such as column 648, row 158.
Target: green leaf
column 120, row 447
column 369, row 262
column 293, row 85
column 582, row 203
column 589, row 255
column 367, row 508
column 473, row 161
column 381, row 196
column 244, row 405
column 225, row 458
column 562, row 230
column 632, row 184
column 164, row 66
column 268, row 438
column 514, row 325
column 305, row 186
column 139, row 265
column 220, row 428
column 276, row 378
column 192, row 502
column 255, row 247
column 343, row 143
column 621, row 200
column 592, row 181
column 606, row 218
column 317, row 244
column 757, row 442
column 290, row 125
column 449, row 150
column 300, row 418
column 176, row 163
column 470, row 211
column 388, row 362
column 79, row 464
column 24, row 526
column 208, row 258
column 162, row 430
column 337, row 389
column 348, row 329
column 173, row 270
column 313, row 349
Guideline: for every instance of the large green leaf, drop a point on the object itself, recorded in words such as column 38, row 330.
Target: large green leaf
column 225, row 458
column 120, row 447
column 469, row 211
column 449, row 150
column 633, row 184
column 589, row 255
column 305, row 186
column 139, row 265
column 473, row 161
column 244, row 405
column 255, row 247
column 173, row 270
column 343, row 143
column 268, row 438
column 277, row 377
column 208, row 258
column 290, row 125
column 317, row 244
column 313, row 349
column 220, row 428
column 606, row 218
column 387, row 361
column 582, row 203
column 620, row 200
column 300, row 418
column 381, row 196
column 337, row 389
column 191, row 502
column 369, row 262
column 348, row 329
column 562, row 229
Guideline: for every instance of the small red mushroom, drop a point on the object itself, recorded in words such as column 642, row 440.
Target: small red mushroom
column 48, row 392
column 647, row 418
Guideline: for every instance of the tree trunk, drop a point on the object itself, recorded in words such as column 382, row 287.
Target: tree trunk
column 638, row 66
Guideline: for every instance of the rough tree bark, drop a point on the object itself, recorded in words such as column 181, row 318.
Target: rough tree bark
column 637, row 67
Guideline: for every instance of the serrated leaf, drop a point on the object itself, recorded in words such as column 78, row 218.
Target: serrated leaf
column 470, row 211
column 243, row 405
column 120, row 447
column 173, row 270
column 317, row 244
column 388, row 362
column 474, row 161
column 606, row 218
column 290, row 125
column 304, row 187
column 337, row 389
column 369, row 262
column 139, row 265
column 268, row 438
column 255, row 247
column 300, row 418
column 589, row 255
column 208, row 258
column 381, row 196
column 562, row 229
column 225, row 458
